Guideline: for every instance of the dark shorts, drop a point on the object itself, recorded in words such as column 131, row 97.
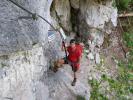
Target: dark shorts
column 74, row 68
column 65, row 60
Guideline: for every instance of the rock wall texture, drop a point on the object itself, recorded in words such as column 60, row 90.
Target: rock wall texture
column 23, row 49
column 18, row 31
column 20, row 76
column 96, row 14
column 60, row 9
column 26, row 52
column 86, row 18
column 90, row 15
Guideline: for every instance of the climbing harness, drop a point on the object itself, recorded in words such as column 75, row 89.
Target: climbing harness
column 35, row 16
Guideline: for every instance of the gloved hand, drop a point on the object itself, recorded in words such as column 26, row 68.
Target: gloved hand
column 63, row 43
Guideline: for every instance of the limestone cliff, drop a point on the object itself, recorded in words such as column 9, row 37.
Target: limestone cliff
column 26, row 53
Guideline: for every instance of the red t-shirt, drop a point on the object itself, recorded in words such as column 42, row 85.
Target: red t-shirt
column 74, row 53
column 80, row 47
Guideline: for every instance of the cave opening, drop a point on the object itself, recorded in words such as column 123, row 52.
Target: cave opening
column 75, row 20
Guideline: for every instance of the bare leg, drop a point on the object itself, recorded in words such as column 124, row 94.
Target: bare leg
column 74, row 80
column 75, row 75
column 58, row 64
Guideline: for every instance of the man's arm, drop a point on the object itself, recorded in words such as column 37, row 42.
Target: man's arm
column 63, row 46
column 79, row 56
column 79, row 59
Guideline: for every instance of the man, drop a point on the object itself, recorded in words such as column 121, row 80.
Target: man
column 73, row 59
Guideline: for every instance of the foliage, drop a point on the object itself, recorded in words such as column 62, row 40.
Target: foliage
column 2, row 65
column 79, row 97
column 95, row 94
column 128, row 37
column 122, row 4
column 121, row 86
column 128, row 41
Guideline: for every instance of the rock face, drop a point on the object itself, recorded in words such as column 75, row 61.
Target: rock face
column 92, row 17
column 88, row 17
column 23, row 59
column 18, row 31
column 23, row 70
column 61, row 10
column 96, row 14
column 26, row 53
column 74, row 4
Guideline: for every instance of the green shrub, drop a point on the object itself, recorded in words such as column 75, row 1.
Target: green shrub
column 79, row 97
column 122, row 4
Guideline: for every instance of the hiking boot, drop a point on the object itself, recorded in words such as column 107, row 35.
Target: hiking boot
column 74, row 82
column 55, row 67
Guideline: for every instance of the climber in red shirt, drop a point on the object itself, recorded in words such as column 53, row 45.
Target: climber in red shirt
column 74, row 56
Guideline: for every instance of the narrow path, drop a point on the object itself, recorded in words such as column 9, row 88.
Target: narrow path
column 60, row 83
